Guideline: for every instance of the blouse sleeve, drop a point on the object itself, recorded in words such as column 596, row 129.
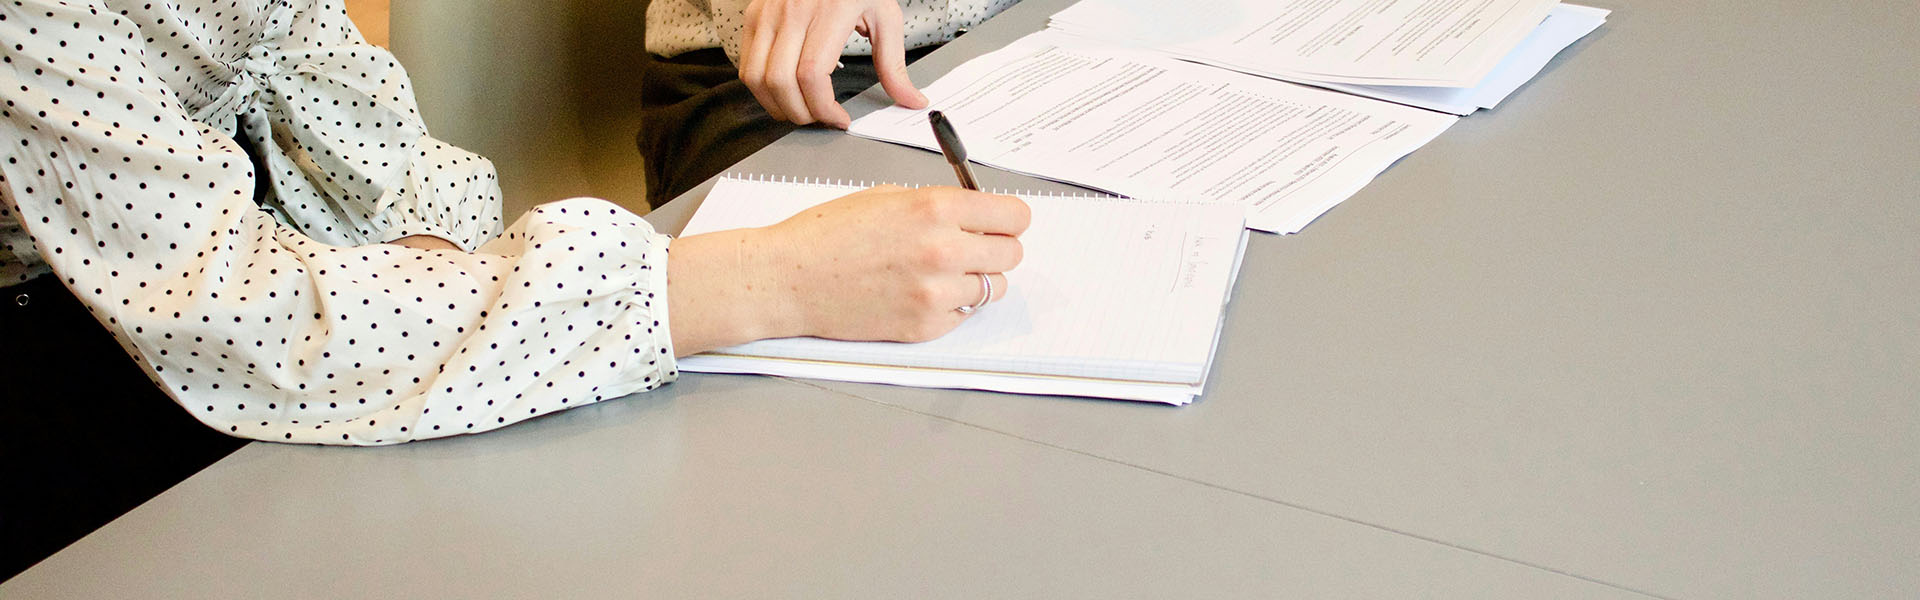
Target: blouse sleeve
column 149, row 217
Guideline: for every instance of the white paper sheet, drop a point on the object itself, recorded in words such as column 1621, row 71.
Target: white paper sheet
column 1564, row 26
column 1115, row 298
column 1167, row 393
column 1444, row 43
column 1142, row 124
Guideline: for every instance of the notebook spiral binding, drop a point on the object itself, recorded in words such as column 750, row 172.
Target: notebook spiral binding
column 862, row 184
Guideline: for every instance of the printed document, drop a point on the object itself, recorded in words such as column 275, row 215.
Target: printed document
column 1142, row 124
column 1564, row 26
column 1440, row 43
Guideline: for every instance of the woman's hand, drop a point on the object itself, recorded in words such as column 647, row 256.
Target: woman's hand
column 886, row 263
column 789, row 48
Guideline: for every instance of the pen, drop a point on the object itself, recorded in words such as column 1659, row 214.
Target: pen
column 950, row 147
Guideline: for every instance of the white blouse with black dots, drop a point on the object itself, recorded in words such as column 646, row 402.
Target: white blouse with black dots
column 677, row 26
column 252, row 285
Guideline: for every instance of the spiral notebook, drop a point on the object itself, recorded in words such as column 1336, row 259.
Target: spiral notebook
column 1116, row 298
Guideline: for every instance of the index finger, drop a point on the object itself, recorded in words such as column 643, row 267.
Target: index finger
column 756, row 45
column 814, row 71
column 888, row 35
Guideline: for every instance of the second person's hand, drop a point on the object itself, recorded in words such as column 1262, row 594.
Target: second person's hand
column 789, row 49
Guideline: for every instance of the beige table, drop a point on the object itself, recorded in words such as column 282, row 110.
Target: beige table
column 1652, row 329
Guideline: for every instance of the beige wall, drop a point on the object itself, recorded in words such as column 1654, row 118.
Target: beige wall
column 371, row 17
column 545, row 88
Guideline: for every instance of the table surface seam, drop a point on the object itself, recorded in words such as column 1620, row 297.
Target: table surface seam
column 1231, row 490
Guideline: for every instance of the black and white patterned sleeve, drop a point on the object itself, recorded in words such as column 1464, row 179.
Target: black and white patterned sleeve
column 263, row 331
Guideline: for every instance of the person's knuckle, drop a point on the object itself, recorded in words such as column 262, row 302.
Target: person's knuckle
column 936, row 257
column 771, row 78
column 929, row 206
column 921, row 296
column 797, row 18
column 814, row 74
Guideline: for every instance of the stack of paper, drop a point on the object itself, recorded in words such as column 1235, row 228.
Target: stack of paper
column 1564, row 26
column 1454, row 56
column 1115, row 298
column 1140, row 123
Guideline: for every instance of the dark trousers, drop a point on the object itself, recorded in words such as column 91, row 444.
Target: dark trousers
column 84, row 435
column 698, row 118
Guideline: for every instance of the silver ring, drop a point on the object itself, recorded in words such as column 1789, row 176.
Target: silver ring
column 986, row 293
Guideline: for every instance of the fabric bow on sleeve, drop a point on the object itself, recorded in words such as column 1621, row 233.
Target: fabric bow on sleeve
column 336, row 125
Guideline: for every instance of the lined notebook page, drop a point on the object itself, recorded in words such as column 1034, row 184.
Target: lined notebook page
column 1109, row 288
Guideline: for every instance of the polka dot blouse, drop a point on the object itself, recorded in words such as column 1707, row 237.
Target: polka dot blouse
column 213, row 178
column 676, row 26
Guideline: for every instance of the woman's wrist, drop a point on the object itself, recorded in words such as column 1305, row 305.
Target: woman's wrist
column 770, row 272
column 728, row 288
